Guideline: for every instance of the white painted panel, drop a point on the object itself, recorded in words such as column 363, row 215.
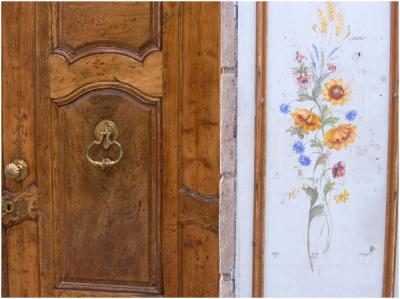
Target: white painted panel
column 245, row 147
column 346, row 231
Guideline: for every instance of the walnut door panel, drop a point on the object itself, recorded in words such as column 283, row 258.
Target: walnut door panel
column 108, row 42
column 107, row 221
column 82, row 28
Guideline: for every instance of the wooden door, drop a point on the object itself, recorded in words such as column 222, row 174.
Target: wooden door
column 129, row 208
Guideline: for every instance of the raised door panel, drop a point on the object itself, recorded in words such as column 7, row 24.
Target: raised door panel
column 107, row 221
column 84, row 28
column 94, row 43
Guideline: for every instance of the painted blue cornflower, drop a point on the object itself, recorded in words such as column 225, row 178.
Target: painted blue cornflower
column 285, row 108
column 351, row 115
column 305, row 161
column 298, row 147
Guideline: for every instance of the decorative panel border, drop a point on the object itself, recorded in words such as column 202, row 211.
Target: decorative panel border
column 100, row 47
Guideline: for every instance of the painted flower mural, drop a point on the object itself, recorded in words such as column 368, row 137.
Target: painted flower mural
column 306, row 120
column 319, row 125
column 340, row 137
column 336, row 92
column 338, row 170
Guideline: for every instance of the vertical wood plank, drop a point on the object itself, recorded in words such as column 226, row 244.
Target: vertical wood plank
column 199, row 115
column 198, row 137
column 44, row 147
column 393, row 163
column 171, row 71
column 200, row 276
column 259, row 162
column 191, row 163
column 20, row 243
column 23, row 278
column 18, row 87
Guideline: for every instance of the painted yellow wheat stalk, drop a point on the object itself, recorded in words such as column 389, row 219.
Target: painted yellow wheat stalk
column 330, row 16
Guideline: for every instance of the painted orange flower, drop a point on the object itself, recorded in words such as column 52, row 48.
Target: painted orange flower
column 307, row 120
column 340, row 137
column 336, row 92
column 343, row 197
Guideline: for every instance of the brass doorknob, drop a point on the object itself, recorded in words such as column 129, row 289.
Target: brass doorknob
column 16, row 170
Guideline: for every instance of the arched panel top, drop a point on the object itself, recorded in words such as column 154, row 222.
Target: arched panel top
column 83, row 29
column 140, row 98
column 67, row 78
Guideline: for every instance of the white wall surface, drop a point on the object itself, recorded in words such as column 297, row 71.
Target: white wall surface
column 245, row 144
column 353, row 265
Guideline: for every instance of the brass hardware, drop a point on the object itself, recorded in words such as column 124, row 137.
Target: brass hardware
column 16, row 170
column 106, row 134
column 8, row 206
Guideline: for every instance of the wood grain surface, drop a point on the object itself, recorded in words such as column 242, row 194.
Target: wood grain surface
column 20, row 242
column 148, row 226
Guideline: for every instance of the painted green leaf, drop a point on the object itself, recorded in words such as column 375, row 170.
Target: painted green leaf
column 316, row 91
column 330, row 121
column 317, row 211
column 316, row 143
column 325, row 111
column 296, row 130
column 328, row 187
column 321, row 160
column 312, row 193
column 304, row 97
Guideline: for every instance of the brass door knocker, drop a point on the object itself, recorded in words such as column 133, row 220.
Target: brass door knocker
column 106, row 134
